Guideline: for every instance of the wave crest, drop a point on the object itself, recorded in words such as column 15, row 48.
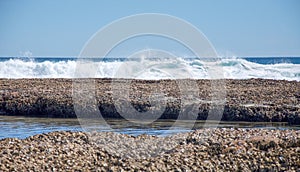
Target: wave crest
column 233, row 69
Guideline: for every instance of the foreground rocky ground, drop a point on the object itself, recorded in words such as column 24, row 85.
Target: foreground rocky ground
column 258, row 100
column 201, row 150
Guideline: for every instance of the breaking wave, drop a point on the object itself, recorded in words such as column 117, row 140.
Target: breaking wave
column 233, row 68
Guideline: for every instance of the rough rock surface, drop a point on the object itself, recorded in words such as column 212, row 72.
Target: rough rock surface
column 201, row 150
column 257, row 100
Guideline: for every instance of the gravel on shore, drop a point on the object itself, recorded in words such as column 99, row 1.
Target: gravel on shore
column 227, row 149
column 253, row 100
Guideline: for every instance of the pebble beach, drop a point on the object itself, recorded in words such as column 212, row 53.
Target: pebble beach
column 223, row 150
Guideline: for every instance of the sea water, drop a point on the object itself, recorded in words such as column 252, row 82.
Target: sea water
column 22, row 127
column 278, row 68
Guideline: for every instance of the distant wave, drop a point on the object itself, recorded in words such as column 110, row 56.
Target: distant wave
column 243, row 69
column 17, row 68
column 233, row 68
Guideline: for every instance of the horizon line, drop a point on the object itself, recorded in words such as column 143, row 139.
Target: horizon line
column 264, row 56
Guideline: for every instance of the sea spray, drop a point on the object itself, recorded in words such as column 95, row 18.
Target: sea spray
column 234, row 68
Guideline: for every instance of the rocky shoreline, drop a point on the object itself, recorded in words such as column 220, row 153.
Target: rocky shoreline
column 201, row 150
column 253, row 100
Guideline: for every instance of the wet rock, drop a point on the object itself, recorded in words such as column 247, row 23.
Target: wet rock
column 253, row 100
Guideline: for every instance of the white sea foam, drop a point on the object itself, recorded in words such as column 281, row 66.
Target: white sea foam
column 16, row 68
column 232, row 68
column 243, row 69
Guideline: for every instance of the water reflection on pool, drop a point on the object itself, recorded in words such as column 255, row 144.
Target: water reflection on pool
column 22, row 127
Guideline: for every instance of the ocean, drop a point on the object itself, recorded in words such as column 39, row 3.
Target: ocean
column 278, row 68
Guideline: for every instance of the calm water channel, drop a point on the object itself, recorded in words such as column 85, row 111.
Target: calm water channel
column 22, row 127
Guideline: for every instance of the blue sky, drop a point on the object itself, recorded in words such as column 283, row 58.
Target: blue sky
column 234, row 27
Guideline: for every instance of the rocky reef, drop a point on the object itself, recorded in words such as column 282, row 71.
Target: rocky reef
column 254, row 100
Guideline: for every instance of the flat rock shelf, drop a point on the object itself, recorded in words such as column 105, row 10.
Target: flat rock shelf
column 252, row 100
